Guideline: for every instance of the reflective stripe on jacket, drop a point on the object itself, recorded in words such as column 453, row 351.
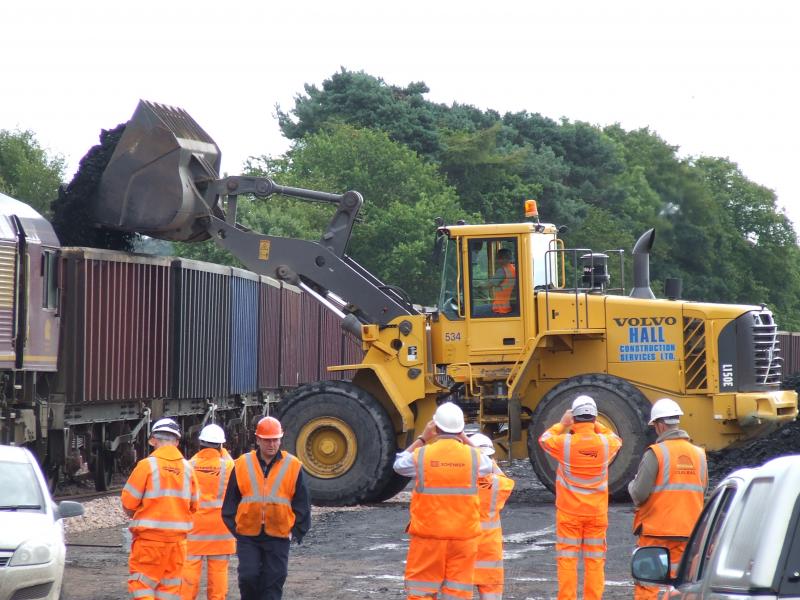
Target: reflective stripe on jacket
column 677, row 498
column 209, row 534
column 444, row 500
column 583, row 454
column 501, row 301
column 163, row 492
column 266, row 501
column 493, row 491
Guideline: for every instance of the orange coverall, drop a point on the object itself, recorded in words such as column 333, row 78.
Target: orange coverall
column 493, row 491
column 445, row 521
column 163, row 493
column 584, row 452
column 209, row 538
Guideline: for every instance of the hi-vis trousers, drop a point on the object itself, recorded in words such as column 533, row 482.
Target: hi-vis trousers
column 155, row 569
column 575, row 535
column 676, row 547
column 440, row 568
column 217, row 569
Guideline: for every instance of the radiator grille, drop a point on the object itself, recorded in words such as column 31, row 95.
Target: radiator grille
column 694, row 353
column 766, row 350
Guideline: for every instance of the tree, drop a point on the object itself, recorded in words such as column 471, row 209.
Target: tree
column 27, row 172
column 402, row 196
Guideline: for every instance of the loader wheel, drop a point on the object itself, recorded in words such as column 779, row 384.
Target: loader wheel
column 620, row 407
column 397, row 483
column 344, row 438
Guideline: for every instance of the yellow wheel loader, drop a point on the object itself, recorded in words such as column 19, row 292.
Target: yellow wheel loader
column 523, row 326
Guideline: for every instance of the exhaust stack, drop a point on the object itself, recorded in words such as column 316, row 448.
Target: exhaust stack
column 641, row 266
column 155, row 180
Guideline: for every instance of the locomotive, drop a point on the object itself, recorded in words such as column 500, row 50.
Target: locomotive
column 95, row 345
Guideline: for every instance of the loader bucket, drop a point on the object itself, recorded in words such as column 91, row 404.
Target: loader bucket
column 155, row 179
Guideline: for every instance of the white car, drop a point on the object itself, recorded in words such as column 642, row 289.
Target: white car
column 31, row 532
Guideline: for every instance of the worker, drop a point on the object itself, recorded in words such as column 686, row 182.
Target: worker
column 502, row 284
column 668, row 490
column 583, row 448
column 445, row 522
column 161, row 495
column 209, row 539
column 266, row 506
column 493, row 491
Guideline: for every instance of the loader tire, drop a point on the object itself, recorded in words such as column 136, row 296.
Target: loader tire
column 396, row 484
column 620, row 406
column 344, row 438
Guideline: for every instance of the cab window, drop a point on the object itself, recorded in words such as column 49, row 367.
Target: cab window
column 49, row 279
column 450, row 296
column 493, row 277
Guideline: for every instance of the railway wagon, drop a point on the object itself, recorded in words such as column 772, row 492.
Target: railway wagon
column 97, row 344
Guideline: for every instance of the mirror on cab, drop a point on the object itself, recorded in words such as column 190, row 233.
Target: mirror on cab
column 650, row 564
column 68, row 508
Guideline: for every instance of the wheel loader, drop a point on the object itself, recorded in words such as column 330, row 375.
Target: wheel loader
column 562, row 332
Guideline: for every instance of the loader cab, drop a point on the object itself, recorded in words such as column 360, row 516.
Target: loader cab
column 489, row 276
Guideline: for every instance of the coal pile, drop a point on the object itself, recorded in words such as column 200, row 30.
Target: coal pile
column 71, row 210
column 785, row 440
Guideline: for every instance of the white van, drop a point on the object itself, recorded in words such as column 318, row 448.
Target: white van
column 746, row 542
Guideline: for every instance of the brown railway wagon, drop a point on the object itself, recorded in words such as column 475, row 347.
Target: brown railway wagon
column 291, row 311
column 269, row 329
column 309, row 342
column 789, row 343
column 116, row 309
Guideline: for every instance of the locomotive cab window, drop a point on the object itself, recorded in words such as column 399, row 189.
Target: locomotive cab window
column 49, row 279
column 493, row 278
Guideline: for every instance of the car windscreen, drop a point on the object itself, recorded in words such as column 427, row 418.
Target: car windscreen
column 19, row 487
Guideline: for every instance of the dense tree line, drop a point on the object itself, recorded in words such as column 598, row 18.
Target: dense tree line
column 413, row 160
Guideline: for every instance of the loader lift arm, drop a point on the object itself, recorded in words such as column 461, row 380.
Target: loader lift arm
column 163, row 181
column 323, row 266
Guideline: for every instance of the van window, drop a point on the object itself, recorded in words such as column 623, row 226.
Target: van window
column 739, row 553
column 705, row 536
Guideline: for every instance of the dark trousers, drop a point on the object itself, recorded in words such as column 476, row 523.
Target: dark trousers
column 263, row 565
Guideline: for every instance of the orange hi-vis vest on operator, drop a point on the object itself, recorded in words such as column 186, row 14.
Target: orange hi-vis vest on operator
column 493, row 491
column 209, row 534
column 162, row 490
column 677, row 497
column 266, row 501
column 501, row 301
column 444, row 500
column 583, row 456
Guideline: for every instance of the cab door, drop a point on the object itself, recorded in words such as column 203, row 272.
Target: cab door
column 494, row 278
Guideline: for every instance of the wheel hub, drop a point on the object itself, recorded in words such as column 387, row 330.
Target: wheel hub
column 327, row 446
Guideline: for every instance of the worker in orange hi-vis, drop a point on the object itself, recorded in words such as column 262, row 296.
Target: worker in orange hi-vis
column 161, row 495
column 583, row 448
column 209, row 538
column 668, row 490
column 493, row 491
column 445, row 509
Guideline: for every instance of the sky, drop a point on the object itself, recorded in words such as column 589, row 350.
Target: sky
column 715, row 78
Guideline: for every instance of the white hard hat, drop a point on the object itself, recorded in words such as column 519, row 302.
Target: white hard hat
column 212, row 434
column 483, row 443
column 664, row 409
column 449, row 418
column 166, row 426
column 584, row 405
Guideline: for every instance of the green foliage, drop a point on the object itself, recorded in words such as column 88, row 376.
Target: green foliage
column 27, row 173
column 402, row 196
column 719, row 232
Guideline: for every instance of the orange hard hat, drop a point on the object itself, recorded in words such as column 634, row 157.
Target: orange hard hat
column 269, row 428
